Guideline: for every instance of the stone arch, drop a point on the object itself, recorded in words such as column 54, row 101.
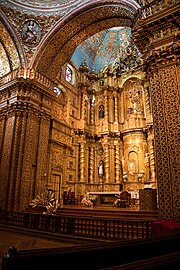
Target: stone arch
column 57, row 47
column 11, row 51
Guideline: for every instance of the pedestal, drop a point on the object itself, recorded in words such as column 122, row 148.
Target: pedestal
column 148, row 199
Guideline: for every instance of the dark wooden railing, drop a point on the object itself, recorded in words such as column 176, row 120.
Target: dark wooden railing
column 81, row 226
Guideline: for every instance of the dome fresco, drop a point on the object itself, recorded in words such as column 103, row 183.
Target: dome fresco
column 107, row 47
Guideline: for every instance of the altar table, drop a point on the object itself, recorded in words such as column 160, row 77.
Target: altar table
column 105, row 197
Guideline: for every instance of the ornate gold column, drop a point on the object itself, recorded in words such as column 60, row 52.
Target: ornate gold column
column 111, row 161
column 84, row 106
column 117, row 160
column 106, row 159
column 91, row 164
column 82, row 160
column 115, row 112
column 106, row 111
column 161, row 62
column 111, row 108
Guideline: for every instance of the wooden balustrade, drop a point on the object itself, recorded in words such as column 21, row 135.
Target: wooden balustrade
column 81, row 226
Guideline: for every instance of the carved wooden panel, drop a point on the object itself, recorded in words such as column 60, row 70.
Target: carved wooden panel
column 30, row 162
column 166, row 121
column 5, row 160
column 148, row 199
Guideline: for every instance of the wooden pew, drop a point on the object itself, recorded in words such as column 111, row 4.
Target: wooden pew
column 93, row 256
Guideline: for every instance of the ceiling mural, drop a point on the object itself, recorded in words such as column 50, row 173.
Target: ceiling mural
column 106, row 48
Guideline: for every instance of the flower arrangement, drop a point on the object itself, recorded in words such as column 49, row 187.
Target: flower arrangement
column 88, row 200
column 46, row 200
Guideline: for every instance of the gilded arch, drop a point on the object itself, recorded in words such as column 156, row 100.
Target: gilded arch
column 77, row 26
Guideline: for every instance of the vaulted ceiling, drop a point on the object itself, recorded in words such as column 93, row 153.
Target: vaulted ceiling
column 103, row 49
column 96, row 31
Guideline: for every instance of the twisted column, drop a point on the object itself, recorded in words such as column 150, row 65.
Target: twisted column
column 82, row 168
column 106, row 161
column 91, row 164
column 106, row 111
column 115, row 108
column 117, row 162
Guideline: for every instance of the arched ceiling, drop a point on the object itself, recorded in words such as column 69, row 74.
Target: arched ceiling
column 103, row 49
column 61, row 42
column 50, row 5
column 94, row 17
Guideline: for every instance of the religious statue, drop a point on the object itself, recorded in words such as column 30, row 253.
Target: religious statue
column 31, row 32
column 101, row 168
column 101, row 111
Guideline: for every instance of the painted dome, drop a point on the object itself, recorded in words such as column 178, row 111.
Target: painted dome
column 105, row 48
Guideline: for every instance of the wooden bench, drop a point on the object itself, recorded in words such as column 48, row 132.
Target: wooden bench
column 92, row 256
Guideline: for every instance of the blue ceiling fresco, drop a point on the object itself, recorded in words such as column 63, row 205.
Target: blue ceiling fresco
column 104, row 48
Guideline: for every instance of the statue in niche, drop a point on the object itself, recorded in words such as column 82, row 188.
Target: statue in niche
column 31, row 32
column 134, row 97
column 101, row 168
column 101, row 111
